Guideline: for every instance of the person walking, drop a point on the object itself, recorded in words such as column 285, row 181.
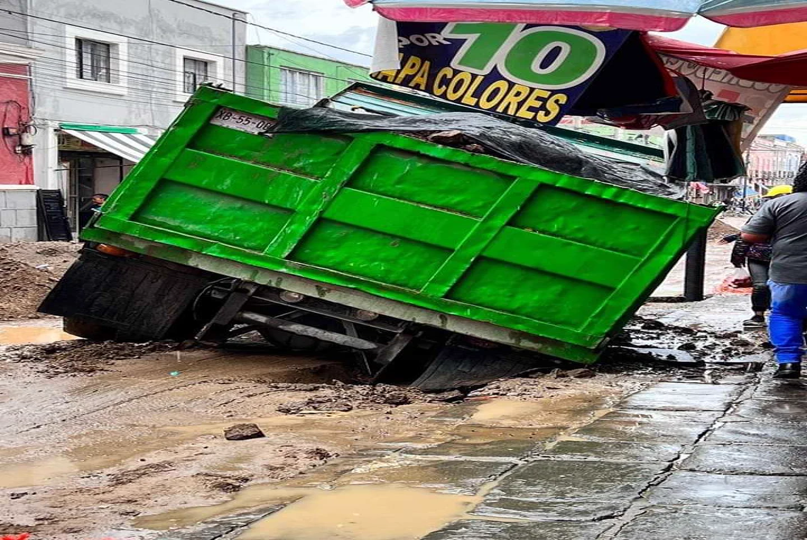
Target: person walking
column 783, row 223
column 757, row 258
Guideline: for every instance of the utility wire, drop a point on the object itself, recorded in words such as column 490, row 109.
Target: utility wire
column 274, row 30
column 173, row 70
column 153, row 66
column 145, row 40
column 151, row 42
column 120, row 101
column 171, row 84
column 55, row 68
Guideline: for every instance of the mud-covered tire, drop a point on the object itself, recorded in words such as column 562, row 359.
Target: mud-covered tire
column 92, row 331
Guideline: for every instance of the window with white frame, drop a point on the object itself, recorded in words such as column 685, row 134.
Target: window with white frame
column 96, row 61
column 195, row 68
column 195, row 72
column 302, row 88
column 92, row 60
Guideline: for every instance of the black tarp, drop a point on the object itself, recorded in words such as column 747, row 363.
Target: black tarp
column 499, row 138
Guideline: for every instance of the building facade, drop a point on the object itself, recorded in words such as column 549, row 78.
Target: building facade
column 773, row 160
column 18, row 218
column 297, row 80
column 111, row 75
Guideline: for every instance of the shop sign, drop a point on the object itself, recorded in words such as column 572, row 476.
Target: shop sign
column 533, row 72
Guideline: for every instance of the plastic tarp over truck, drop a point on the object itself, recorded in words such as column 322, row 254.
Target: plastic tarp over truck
column 477, row 245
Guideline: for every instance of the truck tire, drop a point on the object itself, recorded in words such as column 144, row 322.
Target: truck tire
column 92, row 331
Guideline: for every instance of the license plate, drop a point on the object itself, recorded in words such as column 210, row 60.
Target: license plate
column 248, row 123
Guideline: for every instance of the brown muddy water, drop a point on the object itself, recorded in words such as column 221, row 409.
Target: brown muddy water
column 394, row 497
column 140, row 446
column 21, row 335
column 363, row 512
column 355, row 512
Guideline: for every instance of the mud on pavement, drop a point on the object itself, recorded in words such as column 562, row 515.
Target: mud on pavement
column 108, row 440
column 125, row 440
column 28, row 270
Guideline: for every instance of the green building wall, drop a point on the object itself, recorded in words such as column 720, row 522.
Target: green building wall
column 264, row 65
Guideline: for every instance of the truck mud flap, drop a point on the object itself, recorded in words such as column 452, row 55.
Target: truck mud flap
column 461, row 366
column 134, row 299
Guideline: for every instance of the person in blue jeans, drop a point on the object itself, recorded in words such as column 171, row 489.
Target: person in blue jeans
column 783, row 223
column 757, row 258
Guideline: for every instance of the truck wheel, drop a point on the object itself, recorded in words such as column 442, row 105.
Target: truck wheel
column 92, row 331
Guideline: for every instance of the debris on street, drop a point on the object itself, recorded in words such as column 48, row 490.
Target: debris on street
column 99, row 436
column 242, row 432
column 28, row 272
column 521, row 279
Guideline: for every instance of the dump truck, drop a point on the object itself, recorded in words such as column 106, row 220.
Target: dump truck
column 462, row 262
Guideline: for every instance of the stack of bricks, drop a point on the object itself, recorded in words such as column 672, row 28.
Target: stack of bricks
column 18, row 220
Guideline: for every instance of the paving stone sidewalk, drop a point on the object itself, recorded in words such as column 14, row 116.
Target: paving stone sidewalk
column 676, row 461
column 679, row 461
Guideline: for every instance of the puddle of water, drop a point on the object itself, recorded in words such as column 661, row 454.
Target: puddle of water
column 364, row 512
column 543, row 412
column 505, row 410
column 108, row 449
column 105, row 450
column 35, row 474
column 354, row 512
column 251, row 497
column 479, row 434
column 23, row 335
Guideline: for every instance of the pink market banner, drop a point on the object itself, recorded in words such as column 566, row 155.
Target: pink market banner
column 645, row 15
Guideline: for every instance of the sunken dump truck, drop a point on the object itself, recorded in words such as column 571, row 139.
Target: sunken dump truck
column 462, row 252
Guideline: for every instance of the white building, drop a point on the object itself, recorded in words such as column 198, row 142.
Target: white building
column 773, row 160
column 112, row 75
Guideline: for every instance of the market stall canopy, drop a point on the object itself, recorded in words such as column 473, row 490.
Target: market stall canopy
column 761, row 83
column 787, row 69
column 769, row 40
column 649, row 15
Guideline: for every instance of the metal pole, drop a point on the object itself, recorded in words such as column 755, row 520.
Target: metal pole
column 744, row 192
column 695, row 269
column 745, row 177
column 235, row 84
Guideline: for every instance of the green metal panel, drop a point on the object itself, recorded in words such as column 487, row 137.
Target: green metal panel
column 564, row 259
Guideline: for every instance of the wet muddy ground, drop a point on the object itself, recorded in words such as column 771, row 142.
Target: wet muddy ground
column 102, row 440
column 674, row 435
column 96, row 448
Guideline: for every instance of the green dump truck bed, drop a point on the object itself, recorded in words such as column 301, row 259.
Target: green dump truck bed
column 426, row 233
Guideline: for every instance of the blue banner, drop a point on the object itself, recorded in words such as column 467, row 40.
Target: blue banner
column 533, row 72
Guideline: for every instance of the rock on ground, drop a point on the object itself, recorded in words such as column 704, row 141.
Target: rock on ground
column 242, row 432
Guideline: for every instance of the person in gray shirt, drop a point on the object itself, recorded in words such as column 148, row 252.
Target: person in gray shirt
column 783, row 222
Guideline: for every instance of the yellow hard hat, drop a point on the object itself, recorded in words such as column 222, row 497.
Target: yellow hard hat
column 775, row 191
